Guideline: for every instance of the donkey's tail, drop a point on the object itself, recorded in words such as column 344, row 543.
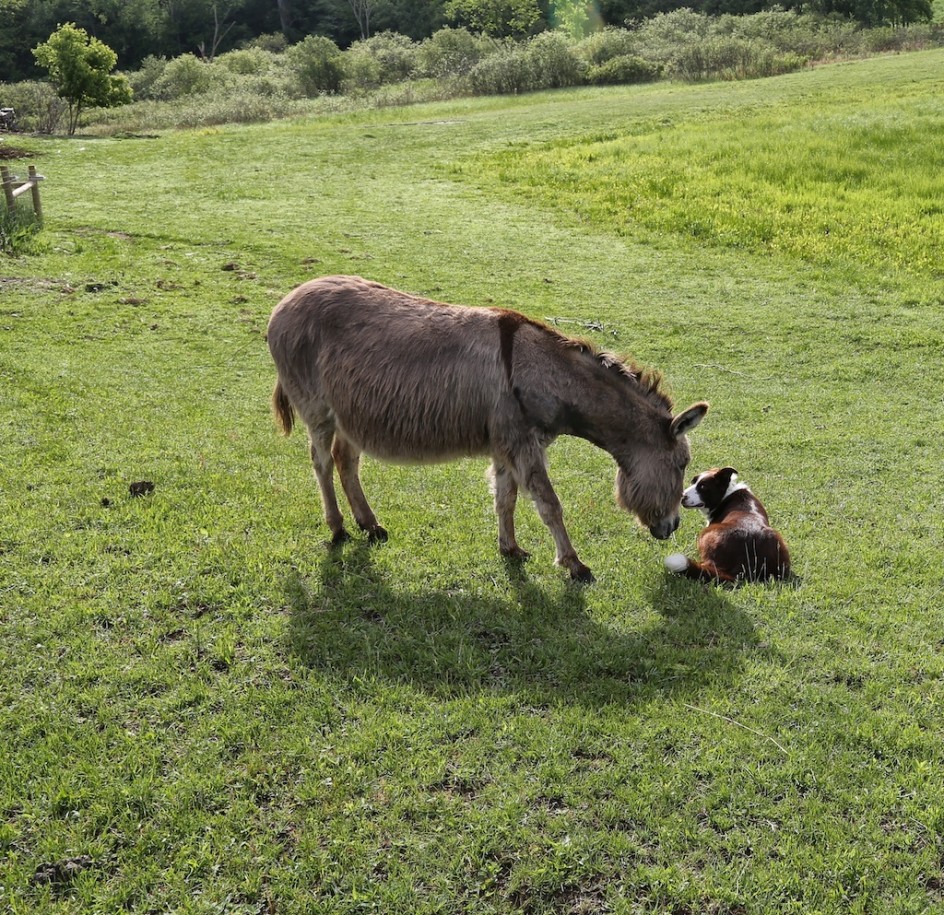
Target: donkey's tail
column 697, row 571
column 282, row 408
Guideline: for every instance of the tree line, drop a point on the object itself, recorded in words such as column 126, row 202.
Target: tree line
column 139, row 29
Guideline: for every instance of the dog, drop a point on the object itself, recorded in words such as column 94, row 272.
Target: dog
column 737, row 544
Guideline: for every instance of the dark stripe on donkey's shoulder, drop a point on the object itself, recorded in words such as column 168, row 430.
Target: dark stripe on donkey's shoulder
column 508, row 324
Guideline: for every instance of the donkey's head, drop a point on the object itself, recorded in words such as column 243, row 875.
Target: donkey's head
column 650, row 480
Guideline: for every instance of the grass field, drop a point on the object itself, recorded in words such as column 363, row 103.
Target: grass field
column 204, row 709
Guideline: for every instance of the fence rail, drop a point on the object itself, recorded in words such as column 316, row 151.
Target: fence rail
column 13, row 187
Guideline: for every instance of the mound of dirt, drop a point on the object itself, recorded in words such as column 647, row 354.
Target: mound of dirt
column 14, row 152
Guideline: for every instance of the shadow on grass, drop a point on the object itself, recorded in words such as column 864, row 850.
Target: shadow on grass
column 540, row 644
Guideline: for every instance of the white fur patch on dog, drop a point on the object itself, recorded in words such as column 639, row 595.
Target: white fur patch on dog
column 676, row 562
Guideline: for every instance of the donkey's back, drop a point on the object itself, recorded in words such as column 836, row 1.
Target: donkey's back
column 405, row 378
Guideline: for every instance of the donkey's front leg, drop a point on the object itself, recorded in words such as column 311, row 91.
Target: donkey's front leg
column 505, row 490
column 549, row 508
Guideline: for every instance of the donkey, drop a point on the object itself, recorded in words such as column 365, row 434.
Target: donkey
column 407, row 379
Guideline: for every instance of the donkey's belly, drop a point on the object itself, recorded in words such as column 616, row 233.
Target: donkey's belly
column 416, row 435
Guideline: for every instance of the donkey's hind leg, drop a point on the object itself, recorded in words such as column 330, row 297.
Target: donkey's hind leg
column 320, row 436
column 505, row 490
column 347, row 457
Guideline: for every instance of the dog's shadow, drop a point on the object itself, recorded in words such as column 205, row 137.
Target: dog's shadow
column 540, row 643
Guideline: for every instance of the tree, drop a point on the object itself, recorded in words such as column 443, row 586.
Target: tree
column 497, row 18
column 80, row 69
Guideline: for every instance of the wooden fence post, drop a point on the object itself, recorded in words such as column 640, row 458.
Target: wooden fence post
column 34, row 191
column 13, row 187
column 7, row 186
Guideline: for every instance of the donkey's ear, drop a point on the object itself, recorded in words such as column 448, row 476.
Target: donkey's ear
column 685, row 422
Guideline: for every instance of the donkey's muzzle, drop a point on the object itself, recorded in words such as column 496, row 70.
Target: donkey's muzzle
column 664, row 529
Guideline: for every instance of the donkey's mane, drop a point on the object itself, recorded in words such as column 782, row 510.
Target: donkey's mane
column 649, row 382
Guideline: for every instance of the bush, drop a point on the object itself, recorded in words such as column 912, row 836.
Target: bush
column 449, row 52
column 275, row 42
column 661, row 37
column 906, row 38
column 554, row 62
column 547, row 61
column 143, row 79
column 506, row 72
column 316, row 64
column 626, row 68
column 247, row 62
column 723, row 57
column 606, row 44
column 187, row 75
column 38, row 106
column 386, row 57
column 806, row 34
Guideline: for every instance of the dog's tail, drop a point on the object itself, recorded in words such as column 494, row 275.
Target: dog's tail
column 697, row 571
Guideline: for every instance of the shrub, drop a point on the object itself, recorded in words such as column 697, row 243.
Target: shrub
column 275, row 42
column 606, row 44
column 907, row 38
column 554, row 63
column 661, row 37
column 239, row 107
column 626, row 68
column 508, row 71
column 187, row 75
column 247, row 62
column 317, row 65
column 547, row 61
column 386, row 57
column 143, row 79
column 806, row 34
column 38, row 106
column 449, row 52
column 724, row 57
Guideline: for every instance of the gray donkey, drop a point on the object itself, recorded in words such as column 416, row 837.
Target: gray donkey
column 407, row 379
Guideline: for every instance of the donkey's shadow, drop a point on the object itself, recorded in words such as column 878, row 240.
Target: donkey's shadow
column 541, row 643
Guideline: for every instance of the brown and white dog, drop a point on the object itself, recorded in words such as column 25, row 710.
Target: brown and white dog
column 737, row 543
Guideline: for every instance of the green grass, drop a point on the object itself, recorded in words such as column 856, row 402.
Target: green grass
column 206, row 710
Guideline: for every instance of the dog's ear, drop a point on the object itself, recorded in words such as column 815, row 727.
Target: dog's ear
column 729, row 474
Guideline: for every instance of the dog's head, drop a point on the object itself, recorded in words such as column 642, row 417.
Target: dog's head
column 711, row 488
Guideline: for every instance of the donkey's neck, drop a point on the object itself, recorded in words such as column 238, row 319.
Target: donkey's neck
column 566, row 387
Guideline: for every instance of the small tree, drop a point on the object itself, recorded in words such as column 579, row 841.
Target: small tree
column 80, row 69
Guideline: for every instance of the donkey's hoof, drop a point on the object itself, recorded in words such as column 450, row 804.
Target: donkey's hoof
column 339, row 537
column 515, row 553
column 377, row 534
column 580, row 573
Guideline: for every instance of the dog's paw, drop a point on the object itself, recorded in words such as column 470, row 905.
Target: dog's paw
column 676, row 562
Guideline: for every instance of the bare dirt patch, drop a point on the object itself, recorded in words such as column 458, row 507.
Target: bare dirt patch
column 15, row 152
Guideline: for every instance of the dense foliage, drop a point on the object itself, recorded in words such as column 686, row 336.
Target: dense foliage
column 259, row 82
column 137, row 29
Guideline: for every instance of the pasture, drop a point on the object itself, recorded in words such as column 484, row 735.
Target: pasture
column 204, row 709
